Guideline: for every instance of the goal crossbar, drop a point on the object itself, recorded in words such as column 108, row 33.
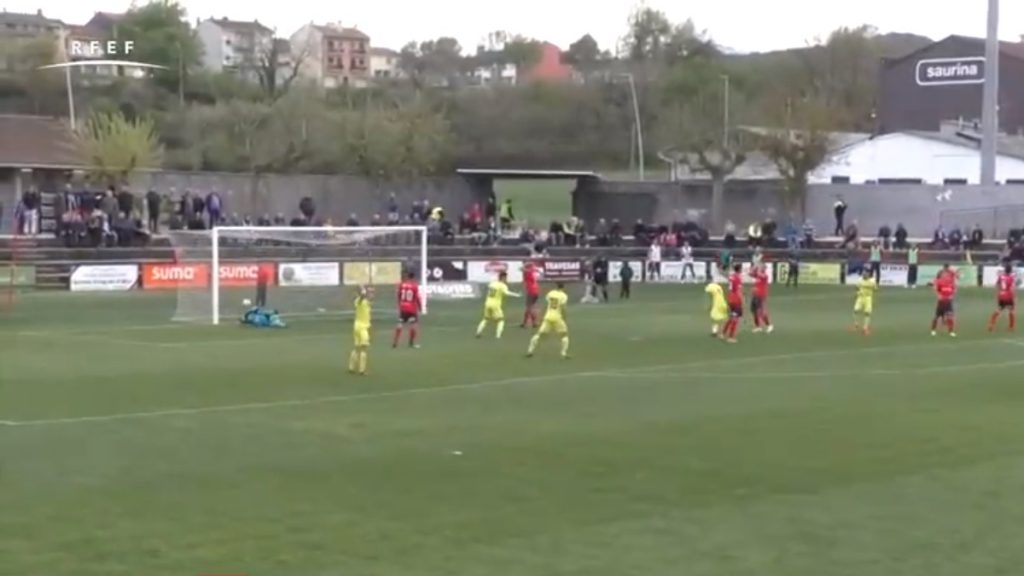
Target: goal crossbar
column 219, row 232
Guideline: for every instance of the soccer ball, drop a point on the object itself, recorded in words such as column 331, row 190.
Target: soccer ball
column 246, row 302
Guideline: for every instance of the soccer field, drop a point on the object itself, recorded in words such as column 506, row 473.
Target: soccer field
column 132, row 446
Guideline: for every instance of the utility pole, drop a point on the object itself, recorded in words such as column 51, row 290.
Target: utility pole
column 725, row 111
column 639, row 127
column 990, row 99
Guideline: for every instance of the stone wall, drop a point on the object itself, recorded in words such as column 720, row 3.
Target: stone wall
column 335, row 196
column 918, row 207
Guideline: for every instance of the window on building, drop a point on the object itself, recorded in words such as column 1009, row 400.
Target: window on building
column 954, row 181
column 900, row 181
column 840, row 179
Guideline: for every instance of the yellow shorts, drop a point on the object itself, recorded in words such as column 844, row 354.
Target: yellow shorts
column 493, row 312
column 361, row 336
column 719, row 316
column 556, row 325
column 863, row 306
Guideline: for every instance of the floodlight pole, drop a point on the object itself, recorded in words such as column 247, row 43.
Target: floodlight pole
column 636, row 119
column 990, row 99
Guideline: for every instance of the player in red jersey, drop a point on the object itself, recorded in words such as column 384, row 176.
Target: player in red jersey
column 1006, row 298
column 759, row 301
column 735, row 300
column 531, row 280
column 409, row 306
column 945, row 292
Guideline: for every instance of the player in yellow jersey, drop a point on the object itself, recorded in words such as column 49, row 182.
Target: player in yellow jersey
column 719, row 308
column 494, row 310
column 865, row 303
column 554, row 320
column 361, row 332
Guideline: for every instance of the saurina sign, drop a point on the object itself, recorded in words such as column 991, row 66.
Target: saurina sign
column 951, row 71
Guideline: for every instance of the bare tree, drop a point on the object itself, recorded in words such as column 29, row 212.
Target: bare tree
column 279, row 66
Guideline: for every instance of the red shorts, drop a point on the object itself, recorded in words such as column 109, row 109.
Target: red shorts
column 736, row 308
column 408, row 315
column 1007, row 302
column 531, row 299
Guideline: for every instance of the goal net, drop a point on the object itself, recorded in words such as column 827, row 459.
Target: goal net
column 298, row 271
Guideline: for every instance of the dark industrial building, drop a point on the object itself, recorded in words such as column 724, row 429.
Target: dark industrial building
column 944, row 81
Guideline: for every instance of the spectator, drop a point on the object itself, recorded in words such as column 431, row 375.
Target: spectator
column 939, row 238
column 654, row 260
column 506, row 215
column 353, row 220
column 601, row 233
column 615, row 232
column 376, row 220
column 491, row 210
column 447, row 232
column 768, row 229
column 185, row 206
column 808, row 234
column 851, row 239
column 108, row 205
column 279, row 220
column 901, row 237
column 686, row 257
column 425, row 204
column 839, row 211
column 214, row 207
column 307, row 209
column 754, row 234
column 125, row 203
column 246, row 220
column 71, row 201
column 640, row 233
column 437, row 213
column 416, row 213
column 393, row 213
column 556, row 233
column 30, row 201
column 885, row 236
column 298, row 221
column 264, row 220
column 153, row 201
column 729, row 238
column 475, row 215
column 198, row 207
column 60, row 207
column 956, row 238
column 465, row 226
column 977, row 237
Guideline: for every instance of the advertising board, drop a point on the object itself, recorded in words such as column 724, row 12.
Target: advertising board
column 811, row 273
column 452, row 291
column 377, row 273
column 309, row 274
column 446, row 271
column 484, row 271
column 989, row 275
column 174, row 276
column 104, row 278
column 615, row 270
column 561, row 270
column 18, row 275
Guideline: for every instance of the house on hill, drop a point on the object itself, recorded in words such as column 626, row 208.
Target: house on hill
column 944, row 81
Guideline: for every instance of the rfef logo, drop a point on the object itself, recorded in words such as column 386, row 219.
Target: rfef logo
column 949, row 71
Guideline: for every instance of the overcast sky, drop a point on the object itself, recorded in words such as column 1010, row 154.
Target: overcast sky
column 743, row 25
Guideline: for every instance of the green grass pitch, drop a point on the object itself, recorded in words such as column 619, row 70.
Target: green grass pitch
column 131, row 446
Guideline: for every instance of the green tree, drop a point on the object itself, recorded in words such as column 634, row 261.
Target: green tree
column 43, row 88
column 649, row 32
column 432, row 62
column 114, row 146
column 161, row 35
column 799, row 148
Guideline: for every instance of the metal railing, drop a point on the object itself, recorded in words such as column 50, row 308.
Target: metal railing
column 996, row 222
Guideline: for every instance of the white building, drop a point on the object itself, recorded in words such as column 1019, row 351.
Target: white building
column 949, row 156
column 507, row 74
column 384, row 63
column 946, row 157
column 232, row 45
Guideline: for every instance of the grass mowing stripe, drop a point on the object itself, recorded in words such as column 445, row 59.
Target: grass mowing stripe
column 639, row 370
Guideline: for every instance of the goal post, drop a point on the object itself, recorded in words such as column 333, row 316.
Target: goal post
column 301, row 271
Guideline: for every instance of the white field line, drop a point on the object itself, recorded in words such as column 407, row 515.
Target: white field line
column 435, row 389
column 821, row 374
column 1013, row 341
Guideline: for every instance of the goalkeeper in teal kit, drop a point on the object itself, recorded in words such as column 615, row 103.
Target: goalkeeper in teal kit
column 262, row 318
